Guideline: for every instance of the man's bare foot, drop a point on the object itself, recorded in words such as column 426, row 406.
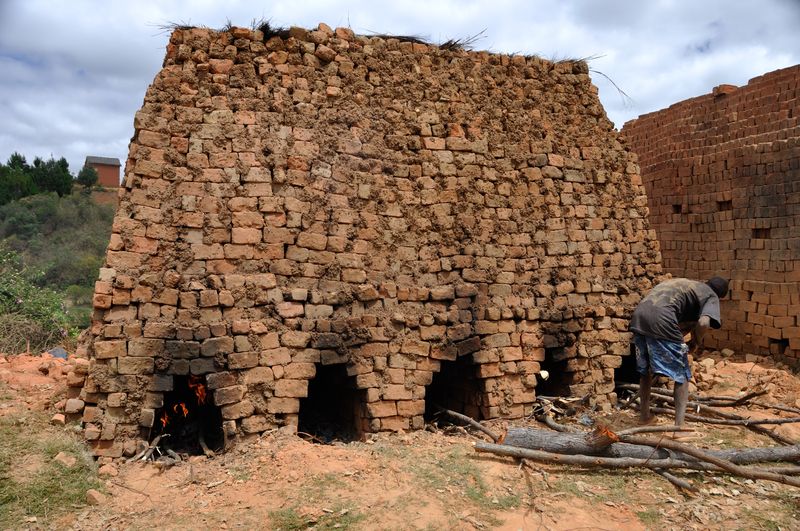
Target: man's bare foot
column 649, row 421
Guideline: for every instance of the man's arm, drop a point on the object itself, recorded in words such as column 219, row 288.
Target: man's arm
column 703, row 324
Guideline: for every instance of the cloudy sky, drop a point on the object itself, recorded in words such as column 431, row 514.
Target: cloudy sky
column 73, row 72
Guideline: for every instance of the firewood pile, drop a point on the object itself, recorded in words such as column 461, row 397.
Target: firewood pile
column 586, row 443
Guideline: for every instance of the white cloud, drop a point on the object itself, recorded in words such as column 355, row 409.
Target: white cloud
column 75, row 72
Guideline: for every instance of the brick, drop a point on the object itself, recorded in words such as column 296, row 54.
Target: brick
column 258, row 375
column 288, row 310
column 496, row 340
column 117, row 399
column 130, row 365
column 275, row 356
column 382, row 409
column 409, row 408
column 73, row 405
column 229, row 395
column 432, row 333
column 202, row 366
column 218, row 380
column 283, row 405
column 110, row 349
column 216, row 345
column 243, row 360
column 394, row 424
column 255, row 424
column 418, row 348
column 243, row 235
column 397, row 392
column 402, row 361
column 238, row 410
column 327, row 340
column 291, row 388
column 311, row 240
column 101, row 301
column 161, row 383
column 295, row 339
column 145, row 347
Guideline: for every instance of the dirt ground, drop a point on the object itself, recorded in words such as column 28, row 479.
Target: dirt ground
column 431, row 479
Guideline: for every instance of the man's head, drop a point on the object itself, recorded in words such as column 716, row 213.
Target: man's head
column 719, row 285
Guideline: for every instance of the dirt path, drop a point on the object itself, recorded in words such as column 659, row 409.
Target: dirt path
column 421, row 480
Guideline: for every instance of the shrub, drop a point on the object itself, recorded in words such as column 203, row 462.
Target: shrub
column 14, row 184
column 51, row 249
column 87, row 178
column 64, row 237
column 27, row 311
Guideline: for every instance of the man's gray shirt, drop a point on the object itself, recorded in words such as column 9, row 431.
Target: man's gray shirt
column 671, row 303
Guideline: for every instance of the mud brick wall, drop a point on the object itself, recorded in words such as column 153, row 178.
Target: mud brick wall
column 722, row 173
column 322, row 198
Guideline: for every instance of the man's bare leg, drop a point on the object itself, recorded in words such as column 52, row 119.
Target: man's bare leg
column 681, row 396
column 645, row 382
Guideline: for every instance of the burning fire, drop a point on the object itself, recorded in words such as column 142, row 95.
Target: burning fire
column 196, row 385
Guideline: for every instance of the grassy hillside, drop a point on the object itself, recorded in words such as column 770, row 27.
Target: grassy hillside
column 52, row 247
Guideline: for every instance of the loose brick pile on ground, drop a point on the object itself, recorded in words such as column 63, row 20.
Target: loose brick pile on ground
column 325, row 198
column 722, row 177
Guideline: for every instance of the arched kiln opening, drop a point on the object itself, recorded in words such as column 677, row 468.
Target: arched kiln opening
column 454, row 387
column 189, row 420
column 626, row 372
column 558, row 379
column 330, row 412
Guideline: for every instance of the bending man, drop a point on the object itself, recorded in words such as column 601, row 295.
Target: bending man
column 671, row 309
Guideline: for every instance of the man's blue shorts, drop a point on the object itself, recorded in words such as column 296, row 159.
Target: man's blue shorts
column 662, row 356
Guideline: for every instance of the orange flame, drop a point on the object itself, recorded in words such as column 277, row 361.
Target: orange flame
column 181, row 408
column 196, row 385
column 164, row 419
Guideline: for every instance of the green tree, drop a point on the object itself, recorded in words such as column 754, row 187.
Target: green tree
column 15, row 183
column 52, row 175
column 87, row 178
column 17, row 160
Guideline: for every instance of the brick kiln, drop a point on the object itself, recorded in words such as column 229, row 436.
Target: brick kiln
column 721, row 172
column 342, row 232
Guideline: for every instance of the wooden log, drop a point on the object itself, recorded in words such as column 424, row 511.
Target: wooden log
column 678, row 482
column 550, row 422
column 725, row 401
column 665, row 395
column 577, row 443
column 718, row 401
column 752, row 427
column 744, row 421
column 153, row 445
column 593, row 461
column 574, row 443
column 778, row 407
column 698, row 406
column 206, row 450
column 654, row 429
column 725, row 464
column 472, row 422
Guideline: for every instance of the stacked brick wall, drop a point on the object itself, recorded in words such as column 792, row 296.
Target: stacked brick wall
column 722, row 173
column 323, row 198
